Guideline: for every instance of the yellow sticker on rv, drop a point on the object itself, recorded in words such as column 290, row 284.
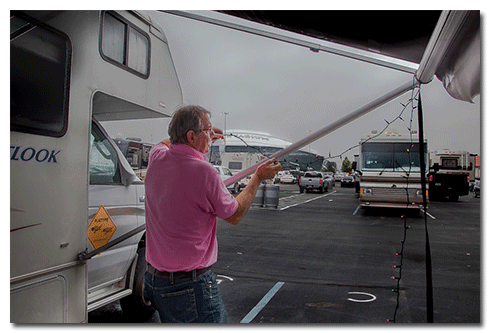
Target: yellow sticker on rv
column 101, row 228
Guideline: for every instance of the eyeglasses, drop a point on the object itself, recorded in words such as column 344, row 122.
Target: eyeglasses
column 208, row 130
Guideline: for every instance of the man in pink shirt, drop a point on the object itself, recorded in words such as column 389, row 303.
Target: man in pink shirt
column 184, row 197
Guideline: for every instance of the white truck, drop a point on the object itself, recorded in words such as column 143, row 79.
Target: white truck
column 449, row 174
column 73, row 195
column 314, row 180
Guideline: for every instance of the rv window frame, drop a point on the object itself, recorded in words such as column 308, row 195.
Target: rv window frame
column 128, row 26
column 118, row 174
column 33, row 23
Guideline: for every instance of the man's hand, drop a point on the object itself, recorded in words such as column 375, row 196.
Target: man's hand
column 217, row 134
column 268, row 170
column 265, row 171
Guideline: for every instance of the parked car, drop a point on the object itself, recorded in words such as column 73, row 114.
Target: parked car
column 338, row 176
column 476, row 189
column 329, row 180
column 313, row 180
column 282, row 175
column 287, row 177
column 297, row 175
column 225, row 173
column 277, row 177
column 347, row 181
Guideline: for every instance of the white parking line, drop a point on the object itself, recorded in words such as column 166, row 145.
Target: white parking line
column 432, row 217
column 218, row 276
column 373, row 298
column 291, row 196
column 303, row 202
column 262, row 303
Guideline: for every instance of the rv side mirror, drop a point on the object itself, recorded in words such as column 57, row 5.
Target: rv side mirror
column 436, row 167
column 354, row 165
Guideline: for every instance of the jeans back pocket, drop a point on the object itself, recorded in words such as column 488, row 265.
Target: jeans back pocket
column 180, row 305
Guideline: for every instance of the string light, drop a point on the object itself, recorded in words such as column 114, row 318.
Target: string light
column 389, row 123
column 399, row 254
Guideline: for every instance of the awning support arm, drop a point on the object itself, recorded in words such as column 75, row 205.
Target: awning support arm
column 328, row 129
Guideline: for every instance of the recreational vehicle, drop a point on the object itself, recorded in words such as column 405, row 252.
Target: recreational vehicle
column 72, row 192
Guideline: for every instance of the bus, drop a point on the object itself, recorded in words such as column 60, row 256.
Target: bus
column 390, row 173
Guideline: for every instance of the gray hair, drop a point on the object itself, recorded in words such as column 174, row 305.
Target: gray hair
column 185, row 119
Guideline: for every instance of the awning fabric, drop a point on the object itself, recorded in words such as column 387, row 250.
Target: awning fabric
column 398, row 34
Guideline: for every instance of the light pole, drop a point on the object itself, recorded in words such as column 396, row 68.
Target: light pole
column 224, row 130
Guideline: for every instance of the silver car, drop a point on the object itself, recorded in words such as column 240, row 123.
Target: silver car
column 225, row 173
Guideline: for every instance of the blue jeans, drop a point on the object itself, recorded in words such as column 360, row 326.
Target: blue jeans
column 185, row 300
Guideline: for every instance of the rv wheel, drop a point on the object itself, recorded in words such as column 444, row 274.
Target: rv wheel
column 137, row 305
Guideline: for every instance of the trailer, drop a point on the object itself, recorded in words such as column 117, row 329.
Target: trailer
column 449, row 174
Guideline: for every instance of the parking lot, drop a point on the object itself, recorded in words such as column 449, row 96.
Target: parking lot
column 318, row 258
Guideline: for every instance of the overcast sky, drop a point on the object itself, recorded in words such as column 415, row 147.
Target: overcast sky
column 288, row 91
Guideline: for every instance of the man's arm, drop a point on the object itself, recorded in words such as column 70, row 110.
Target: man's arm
column 246, row 197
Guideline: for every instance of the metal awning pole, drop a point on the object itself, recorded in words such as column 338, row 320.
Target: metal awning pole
column 327, row 129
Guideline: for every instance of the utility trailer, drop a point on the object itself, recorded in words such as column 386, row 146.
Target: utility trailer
column 449, row 174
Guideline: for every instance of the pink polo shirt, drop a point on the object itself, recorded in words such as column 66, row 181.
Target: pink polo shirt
column 184, row 195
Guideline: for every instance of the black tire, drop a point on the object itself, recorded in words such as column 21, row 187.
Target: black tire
column 301, row 189
column 137, row 306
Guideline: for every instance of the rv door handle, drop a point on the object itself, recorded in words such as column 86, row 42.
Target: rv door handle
column 142, row 198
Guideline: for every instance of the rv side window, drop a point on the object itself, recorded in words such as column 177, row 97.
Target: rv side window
column 39, row 78
column 450, row 163
column 235, row 165
column 124, row 45
column 104, row 166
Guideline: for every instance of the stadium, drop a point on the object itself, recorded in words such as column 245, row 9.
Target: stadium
column 243, row 141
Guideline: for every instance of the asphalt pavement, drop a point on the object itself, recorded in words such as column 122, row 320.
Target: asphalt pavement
column 319, row 259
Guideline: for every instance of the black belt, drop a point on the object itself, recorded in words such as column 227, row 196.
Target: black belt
column 176, row 275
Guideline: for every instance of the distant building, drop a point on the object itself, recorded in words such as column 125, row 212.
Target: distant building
column 243, row 141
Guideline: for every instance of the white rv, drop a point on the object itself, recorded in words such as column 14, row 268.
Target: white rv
column 71, row 189
column 390, row 171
